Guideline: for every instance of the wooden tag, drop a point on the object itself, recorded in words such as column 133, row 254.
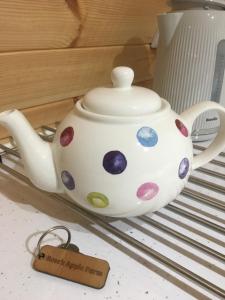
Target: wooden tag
column 73, row 266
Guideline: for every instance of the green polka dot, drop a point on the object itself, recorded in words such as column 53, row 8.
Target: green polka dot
column 97, row 200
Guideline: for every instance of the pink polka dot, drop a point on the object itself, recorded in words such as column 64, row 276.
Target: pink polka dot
column 66, row 136
column 181, row 127
column 147, row 191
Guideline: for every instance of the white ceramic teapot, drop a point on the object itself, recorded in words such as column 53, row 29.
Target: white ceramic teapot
column 120, row 152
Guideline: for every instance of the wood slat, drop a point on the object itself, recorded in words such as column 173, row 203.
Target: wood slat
column 38, row 77
column 44, row 114
column 38, row 24
column 44, row 24
column 118, row 22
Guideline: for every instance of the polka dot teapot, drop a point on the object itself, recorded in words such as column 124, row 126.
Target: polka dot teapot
column 120, row 152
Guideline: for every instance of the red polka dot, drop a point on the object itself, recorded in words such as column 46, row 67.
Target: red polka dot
column 66, row 136
column 182, row 128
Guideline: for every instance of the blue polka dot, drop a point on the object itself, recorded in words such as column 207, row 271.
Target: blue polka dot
column 147, row 137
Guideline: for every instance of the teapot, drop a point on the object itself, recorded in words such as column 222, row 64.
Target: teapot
column 120, row 152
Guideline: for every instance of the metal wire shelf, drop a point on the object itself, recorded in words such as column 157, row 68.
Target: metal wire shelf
column 196, row 196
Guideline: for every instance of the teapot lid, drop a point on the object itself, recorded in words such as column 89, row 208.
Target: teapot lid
column 122, row 99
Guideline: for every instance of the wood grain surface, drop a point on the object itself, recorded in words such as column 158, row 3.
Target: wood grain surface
column 33, row 78
column 44, row 24
column 54, row 50
column 118, row 22
column 72, row 266
column 35, row 24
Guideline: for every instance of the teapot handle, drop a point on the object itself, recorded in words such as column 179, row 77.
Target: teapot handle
column 218, row 144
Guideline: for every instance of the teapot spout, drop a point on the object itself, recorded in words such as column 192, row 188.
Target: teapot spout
column 36, row 154
column 167, row 24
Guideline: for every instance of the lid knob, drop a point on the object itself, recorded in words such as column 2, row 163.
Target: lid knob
column 122, row 99
column 122, row 77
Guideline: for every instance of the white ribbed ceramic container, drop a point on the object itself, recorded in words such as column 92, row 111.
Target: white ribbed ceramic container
column 190, row 63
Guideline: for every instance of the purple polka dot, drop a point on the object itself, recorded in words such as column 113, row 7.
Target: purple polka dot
column 66, row 136
column 183, row 168
column 182, row 128
column 68, row 180
column 114, row 162
column 147, row 191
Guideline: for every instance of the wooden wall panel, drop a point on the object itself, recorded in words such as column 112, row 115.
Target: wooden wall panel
column 44, row 114
column 36, row 24
column 44, row 24
column 54, row 50
column 37, row 77
column 118, row 22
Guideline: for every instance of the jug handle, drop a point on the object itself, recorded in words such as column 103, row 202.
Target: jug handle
column 218, row 144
